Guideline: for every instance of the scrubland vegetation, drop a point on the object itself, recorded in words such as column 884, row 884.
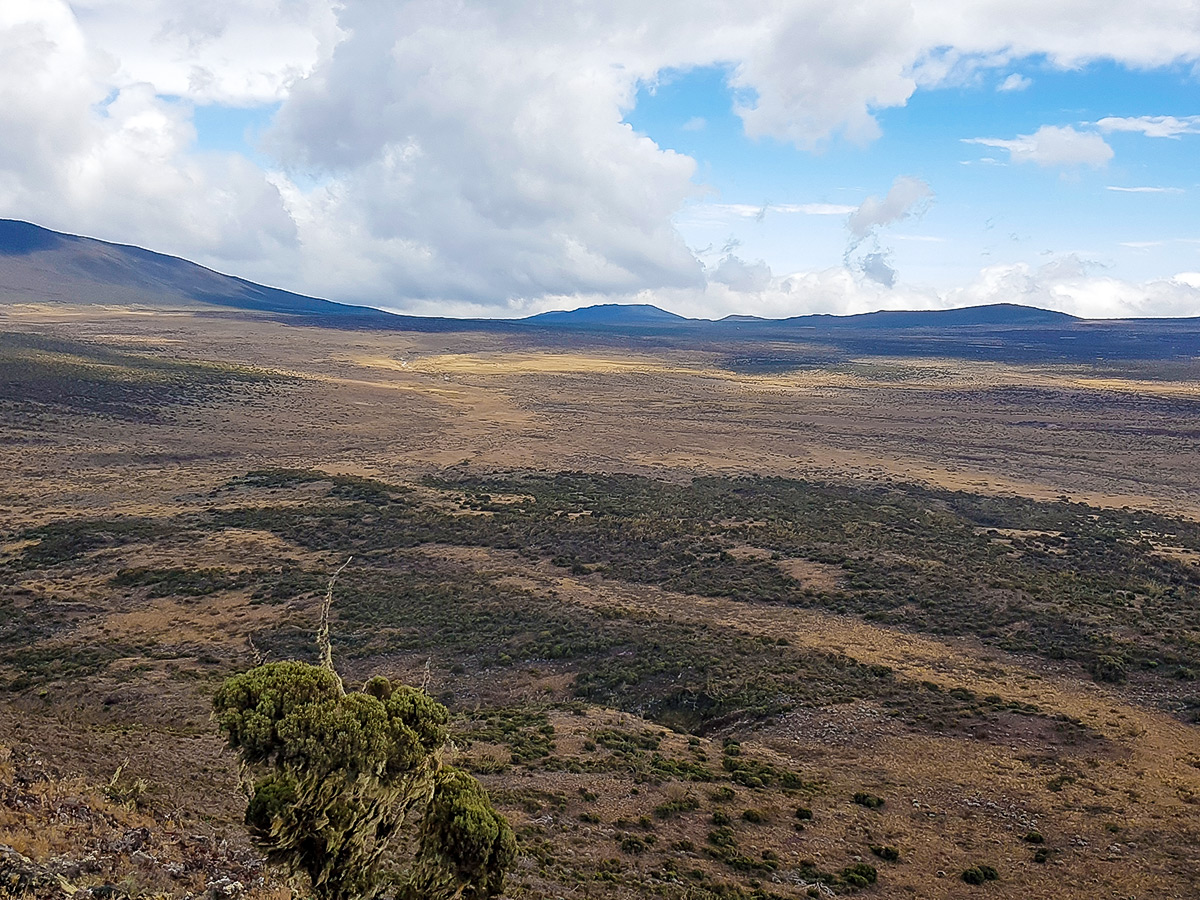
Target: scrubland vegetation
column 690, row 686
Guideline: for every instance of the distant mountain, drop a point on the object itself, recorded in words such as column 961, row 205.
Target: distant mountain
column 37, row 264
column 40, row 265
column 609, row 314
column 643, row 314
column 996, row 314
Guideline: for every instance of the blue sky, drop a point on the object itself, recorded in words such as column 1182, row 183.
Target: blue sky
column 773, row 157
column 986, row 209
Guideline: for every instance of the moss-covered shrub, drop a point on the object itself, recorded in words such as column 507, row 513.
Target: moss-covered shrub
column 337, row 776
column 870, row 801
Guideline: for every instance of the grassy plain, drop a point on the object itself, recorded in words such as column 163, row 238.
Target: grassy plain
column 693, row 614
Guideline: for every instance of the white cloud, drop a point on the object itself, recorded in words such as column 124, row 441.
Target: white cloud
column 236, row 52
column 1052, row 145
column 475, row 153
column 856, row 58
column 1066, row 283
column 1146, row 245
column 878, row 268
column 1014, row 82
column 1144, row 190
column 907, row 197
column 695, row 123
column 814, row 209
column 717, row 212
column 742, row 276
column 1152, row 126
column 81, row 155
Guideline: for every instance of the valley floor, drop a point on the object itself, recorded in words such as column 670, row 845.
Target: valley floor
column 691, row 622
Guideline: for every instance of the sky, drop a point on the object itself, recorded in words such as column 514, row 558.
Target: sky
column 502, row 158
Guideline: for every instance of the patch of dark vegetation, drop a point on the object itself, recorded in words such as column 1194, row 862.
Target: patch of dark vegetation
column 27, row 616
column 352, row 488
column 182, row 582
column 1063, row 580
column 40, row 374
column 68, row 539
column 754, row 774
column 45, row 663
column 691, row 676
column 527, row 733
column 288, row 582
column 870, row 801
column 778, row 362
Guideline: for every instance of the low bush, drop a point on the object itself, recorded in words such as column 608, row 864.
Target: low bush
column 980, row 874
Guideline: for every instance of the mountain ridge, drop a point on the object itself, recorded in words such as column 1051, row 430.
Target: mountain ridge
column 164, row 276
column 40, row 265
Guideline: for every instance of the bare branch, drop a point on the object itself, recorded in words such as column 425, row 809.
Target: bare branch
column 323, row 631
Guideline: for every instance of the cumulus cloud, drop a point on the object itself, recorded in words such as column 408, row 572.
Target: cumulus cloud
column 237, row 52
column 1053, row 145
column 1152, row 126
column 432, row 152
column 907, row 197
column 1014, row 82
column 856, row 59
column 740, row 275
column 82, row 156
column 1067, row 283
column 471, row 159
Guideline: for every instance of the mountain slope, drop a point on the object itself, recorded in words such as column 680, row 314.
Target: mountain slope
column 37, row 264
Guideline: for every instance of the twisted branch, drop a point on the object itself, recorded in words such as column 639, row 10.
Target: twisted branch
column 323, row 631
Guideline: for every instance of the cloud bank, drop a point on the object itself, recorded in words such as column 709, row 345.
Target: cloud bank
column 438, row 156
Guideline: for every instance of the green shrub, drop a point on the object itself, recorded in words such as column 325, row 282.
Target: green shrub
column 337, row 775
column 631, row 843
column 870, row 801
column 888, row 852
column 859, row 875
column 675, row 806
column 979, row 874
column 1110, row 669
